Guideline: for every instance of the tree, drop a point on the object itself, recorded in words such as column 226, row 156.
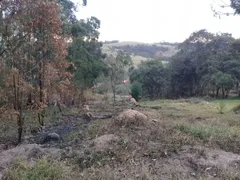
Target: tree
column 85, row 53
column 226, row 8
column 222, row 81
column 30, row 38
column 153, row 77
column 117, row 68
column 201, row 55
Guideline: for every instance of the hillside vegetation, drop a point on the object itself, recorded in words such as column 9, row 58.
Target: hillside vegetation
column 142, row 51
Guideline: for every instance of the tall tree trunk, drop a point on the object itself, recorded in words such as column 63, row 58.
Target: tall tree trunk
column 114, row 94
column 223, row 93
column 227, row 93
column 238, row 89
column 217, row 92
column 41, row 82
column 82, row 98
column 41, row 93
column 20, row 119
column 18, row 102
column 113, row 88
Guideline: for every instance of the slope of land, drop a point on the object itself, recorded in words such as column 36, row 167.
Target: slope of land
column 142, row 51
column 176, row 139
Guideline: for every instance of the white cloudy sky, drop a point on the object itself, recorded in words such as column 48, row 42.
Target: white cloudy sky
column 157, row 20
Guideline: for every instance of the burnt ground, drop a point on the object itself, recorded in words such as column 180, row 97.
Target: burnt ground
column 66, row 125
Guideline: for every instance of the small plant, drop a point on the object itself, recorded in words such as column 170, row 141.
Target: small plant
column 236, row 109
column 221, row 107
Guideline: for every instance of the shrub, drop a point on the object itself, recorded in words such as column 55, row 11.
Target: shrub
column 136, row 90
column 123, row 89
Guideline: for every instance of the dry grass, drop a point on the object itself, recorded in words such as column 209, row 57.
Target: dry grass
column 41, row 169
column 175, row 142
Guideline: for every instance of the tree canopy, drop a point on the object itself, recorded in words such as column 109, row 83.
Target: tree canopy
column 206, row 63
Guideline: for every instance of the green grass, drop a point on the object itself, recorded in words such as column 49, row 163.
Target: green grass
column 43, row 169
column 202, row 132
column 155, row 102
column 230, row 103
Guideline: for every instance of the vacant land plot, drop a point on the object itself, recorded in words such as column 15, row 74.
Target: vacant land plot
column 180, row 139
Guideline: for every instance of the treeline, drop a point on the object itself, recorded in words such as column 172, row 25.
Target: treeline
column 168, row 43
column 206, row 64
column 111, row 42
column 147, row 51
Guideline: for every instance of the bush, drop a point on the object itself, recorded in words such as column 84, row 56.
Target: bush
column 102, row 89
column 123, row 89
column 136, row 90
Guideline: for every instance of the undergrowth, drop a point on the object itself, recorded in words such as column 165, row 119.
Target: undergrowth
column 42, row 169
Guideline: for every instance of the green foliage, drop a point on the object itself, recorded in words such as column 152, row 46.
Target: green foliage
column 136, row 90
column 122, row 89
column 205, row 62
column 85, row 52
column 223, row 80
column 153, row 77
column 43, row 169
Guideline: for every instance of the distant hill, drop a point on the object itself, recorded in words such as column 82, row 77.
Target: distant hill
column 141, row 51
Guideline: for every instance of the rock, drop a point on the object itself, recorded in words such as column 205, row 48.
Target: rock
column 155, row 120
column 131, row 117
column 50, row 137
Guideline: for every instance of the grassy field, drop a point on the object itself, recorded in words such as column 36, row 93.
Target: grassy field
column 180, row 139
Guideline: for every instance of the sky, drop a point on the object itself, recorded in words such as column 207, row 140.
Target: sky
column 152, row 21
